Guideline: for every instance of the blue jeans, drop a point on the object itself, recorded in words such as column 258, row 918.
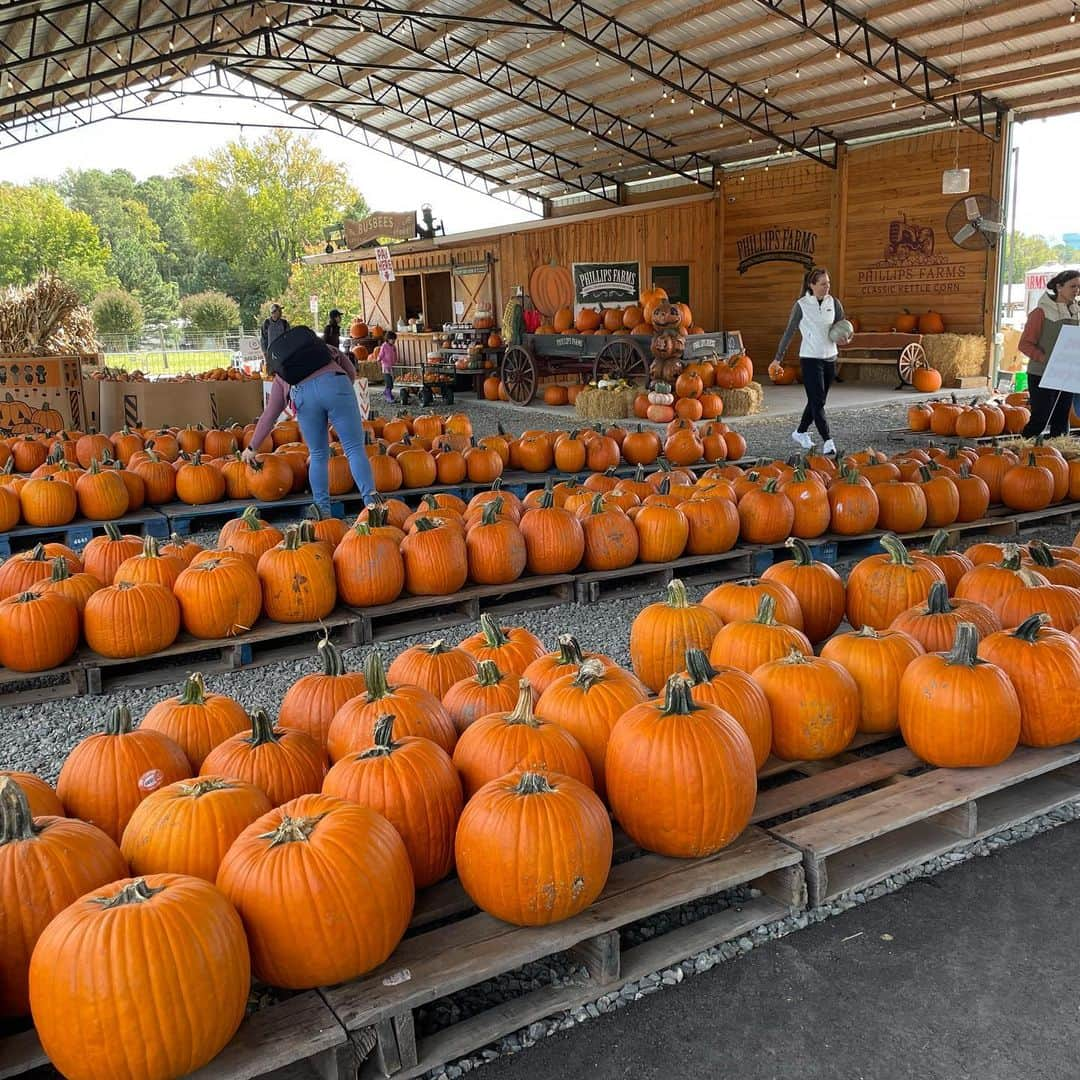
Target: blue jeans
column 329, row 399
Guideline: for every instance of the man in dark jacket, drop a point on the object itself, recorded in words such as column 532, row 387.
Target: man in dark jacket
column 332, row 334
column 272, row 328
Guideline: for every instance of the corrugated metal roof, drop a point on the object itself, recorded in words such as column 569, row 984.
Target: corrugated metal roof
column 522, row 104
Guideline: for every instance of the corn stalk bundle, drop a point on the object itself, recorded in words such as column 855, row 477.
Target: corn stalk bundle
column 44, row 318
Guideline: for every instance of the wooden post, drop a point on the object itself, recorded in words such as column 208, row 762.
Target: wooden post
column 840, row 211
column 719, row 239
column 999, row 163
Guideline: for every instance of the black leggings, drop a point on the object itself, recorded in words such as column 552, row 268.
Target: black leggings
column 1047, row 405
column 817, row 377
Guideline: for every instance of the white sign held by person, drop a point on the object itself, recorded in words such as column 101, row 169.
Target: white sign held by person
column 1063, row 365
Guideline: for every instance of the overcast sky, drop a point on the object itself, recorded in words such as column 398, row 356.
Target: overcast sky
column 146, row 147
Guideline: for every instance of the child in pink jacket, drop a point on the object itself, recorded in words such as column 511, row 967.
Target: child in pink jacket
column 387, row 360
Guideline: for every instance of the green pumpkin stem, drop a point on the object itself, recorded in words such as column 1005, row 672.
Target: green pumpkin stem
column 292, row 539
column 766, row 610
column 1010, row 557
column 639, row 472
column 494, row 638
column 16, row 820
column 112, row 530
column 699, row 668
column 383, row 735
column 597, row 503
column 333, row 664
column 119, row 721
column 204, row 785
column 965, row 646
column 677, row 698
column 894, row 548
column 590, row 673
column 523, row 709
column 547, row 500
column 1041, row 554
column 939, row 543
column 361, row 528
column 492, row 509
column 532, row 783
column 801, row 555
column 293, row 830
column 60, row 569
column 664, row 487
column 488, row 673
column 772, row 485
column 375, row 677
column 306, row 531
column 250, row 517
column 194, row 692
column 313, row 513
column 1029, row 629
column 569, row 650
column 426, row 524
column 937, row 603
column 37, row 554
column 136, row 892
column 262, row 728
column 676, row 594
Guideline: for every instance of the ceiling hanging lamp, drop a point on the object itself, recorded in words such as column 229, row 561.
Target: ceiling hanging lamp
column 957, row 181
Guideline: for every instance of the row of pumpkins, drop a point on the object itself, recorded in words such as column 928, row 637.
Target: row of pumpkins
column 46, row 481
column 495, row 758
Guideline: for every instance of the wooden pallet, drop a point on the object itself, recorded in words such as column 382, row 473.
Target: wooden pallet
column 266, row 643
column 853, row 844
column 410, row 615
column 597, row 585
column 1066, row 513
column 442, row 961
column 298, row 1038
column 78, row 533
column 927, row 438
column 184, row 519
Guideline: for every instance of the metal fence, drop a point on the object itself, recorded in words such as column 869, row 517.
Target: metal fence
column 173, row 351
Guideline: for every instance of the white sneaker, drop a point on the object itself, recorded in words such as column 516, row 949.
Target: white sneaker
column 829, row 447
column 803, row 439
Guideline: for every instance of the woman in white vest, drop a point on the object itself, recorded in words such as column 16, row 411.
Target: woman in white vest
column 815, row 313
column 1057, row 307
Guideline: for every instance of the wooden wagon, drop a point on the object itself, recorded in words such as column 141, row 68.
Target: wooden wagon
column 592, row 356
column 904, row 351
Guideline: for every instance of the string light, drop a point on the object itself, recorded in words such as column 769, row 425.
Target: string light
column 528, row 43
column 489, row 37
column 1072, row 14
column 838, row 54
column 652, row 113
column 766, row 87
column 892, row 102
column 631, row 76
column 798, row 74
column 562, row 42
column 866, row 80
column 596, row 59
column 691, row 110
column 721, row 121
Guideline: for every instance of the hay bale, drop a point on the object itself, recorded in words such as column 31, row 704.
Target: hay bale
column 370, row 370
column 957, row 355
column 607, row 404
column 869, row 374
column 750, row 399
column 1066, row 445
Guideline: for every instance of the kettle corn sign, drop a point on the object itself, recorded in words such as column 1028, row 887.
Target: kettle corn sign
column 910, row 265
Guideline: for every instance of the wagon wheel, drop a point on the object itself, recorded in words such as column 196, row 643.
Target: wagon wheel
column 621, row 359
column 519, row 374
column 911, row 357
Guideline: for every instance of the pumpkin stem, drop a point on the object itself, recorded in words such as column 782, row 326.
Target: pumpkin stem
column 597, row 503
column 676, row 594
column 965, row 646
column 937, row 603
column 677, row 699
column 375, row 677
column 60, row 569
column 590, row 672
column 112, row 530
column 794, row 656
column 492, row 510
column 1029, row 629
column 939, row 543
column 426, row 524
column 1010, row 557
column 523, row 709
column 496, row 484
column 119, row 722
column 488, row 673
column 639, row 473
column 1030, row 578
column 698, row 667
column 16, row 821
column 494, row 638
column 203, row 785
column 262, row 728
column 532, row 783
column 547, row 500
column 250, row 517
column 1041, row 554
column 194, row 692
column 664, row 487
column 361, row 528
column 801, row 554
column 313, row 513
column 292, row 539
column 306, row 531
column 766, row 610
column 383, row 734
column 894, row 548
column 292, row 830
column 37, row 553
column 137, row 892
column 569, row 650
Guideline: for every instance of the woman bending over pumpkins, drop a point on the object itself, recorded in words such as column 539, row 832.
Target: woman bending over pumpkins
column 819, row 319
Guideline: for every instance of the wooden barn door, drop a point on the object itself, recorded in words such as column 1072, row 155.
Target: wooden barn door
column 375, row 301
column 473, row 284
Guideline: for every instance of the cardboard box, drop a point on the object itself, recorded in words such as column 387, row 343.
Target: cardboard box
column 149, row 404
column 239, row 401
column 41, row 394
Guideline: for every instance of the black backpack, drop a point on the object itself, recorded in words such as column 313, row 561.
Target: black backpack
column 297, row 354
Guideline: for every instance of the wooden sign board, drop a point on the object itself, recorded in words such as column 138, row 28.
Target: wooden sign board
column 380, row 226
column 609, row 284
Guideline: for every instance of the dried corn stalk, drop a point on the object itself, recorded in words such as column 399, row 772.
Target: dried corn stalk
column 44, row 318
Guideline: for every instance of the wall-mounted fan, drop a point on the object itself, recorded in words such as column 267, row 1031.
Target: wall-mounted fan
column 974, row 223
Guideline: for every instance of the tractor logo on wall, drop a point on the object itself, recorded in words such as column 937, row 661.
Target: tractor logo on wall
column 908, row 242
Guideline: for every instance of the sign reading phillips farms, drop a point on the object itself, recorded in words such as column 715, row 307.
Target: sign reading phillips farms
column 780, row 244
column 609, row 284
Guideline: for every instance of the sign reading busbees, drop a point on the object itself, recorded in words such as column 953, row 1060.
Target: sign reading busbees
column 607, row 284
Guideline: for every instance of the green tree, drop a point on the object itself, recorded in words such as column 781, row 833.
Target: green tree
column 210, row 311
column 256, row 206
column 116, row 311
column 336, row 285
column 39, row 232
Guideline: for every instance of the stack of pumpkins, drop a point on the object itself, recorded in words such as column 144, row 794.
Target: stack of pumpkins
column 989, row 418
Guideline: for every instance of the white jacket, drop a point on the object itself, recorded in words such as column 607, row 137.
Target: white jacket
column 817, row 318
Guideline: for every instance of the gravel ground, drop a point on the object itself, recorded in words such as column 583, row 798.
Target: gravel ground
column 38, row 737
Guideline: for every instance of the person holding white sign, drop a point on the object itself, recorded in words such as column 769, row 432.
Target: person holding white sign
column 1057, row 307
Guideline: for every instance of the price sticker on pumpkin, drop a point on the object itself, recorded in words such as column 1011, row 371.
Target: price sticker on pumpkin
column 151, row 780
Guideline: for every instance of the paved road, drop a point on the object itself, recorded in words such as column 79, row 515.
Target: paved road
column 971, row 975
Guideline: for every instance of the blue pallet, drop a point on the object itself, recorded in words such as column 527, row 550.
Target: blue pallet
column 77, row 534
column 181, row 517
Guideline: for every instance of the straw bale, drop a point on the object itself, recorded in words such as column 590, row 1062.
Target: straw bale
column 957, row 355
column 749, row 399
column 607, row 404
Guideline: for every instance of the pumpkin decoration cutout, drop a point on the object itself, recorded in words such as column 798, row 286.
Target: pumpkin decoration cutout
column 128, row 920
column 46, row 863
column 413, row 783
column 664, row 756
column 319, row 853
column 958, row 711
